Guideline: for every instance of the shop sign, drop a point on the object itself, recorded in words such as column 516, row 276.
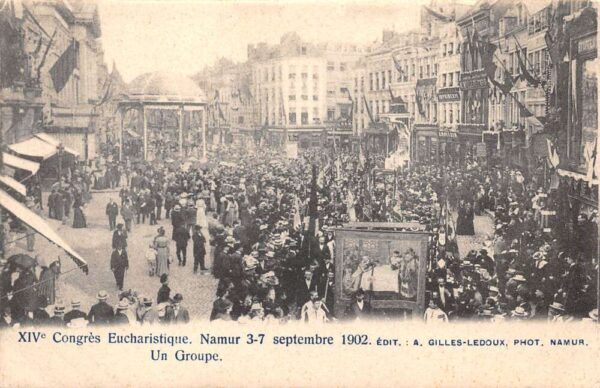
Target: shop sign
column 586, row 44
column 448, row 134
column 473, row 80
column 449, row 94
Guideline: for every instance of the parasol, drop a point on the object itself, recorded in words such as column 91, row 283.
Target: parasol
column 22, row 260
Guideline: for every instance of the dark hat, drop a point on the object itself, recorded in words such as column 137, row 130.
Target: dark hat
column 164, row 278
column 178, row 298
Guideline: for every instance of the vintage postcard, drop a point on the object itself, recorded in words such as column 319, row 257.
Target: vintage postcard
column 299, row 193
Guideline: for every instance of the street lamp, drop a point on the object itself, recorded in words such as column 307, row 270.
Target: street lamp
column 61, row 149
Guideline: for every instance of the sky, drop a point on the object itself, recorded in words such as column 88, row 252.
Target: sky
column 183, row 36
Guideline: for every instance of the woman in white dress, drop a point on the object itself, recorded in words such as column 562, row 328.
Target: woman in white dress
column 350, row 202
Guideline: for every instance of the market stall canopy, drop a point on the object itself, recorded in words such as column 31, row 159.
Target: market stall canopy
column 20, row 163
column 51, row 140
column 34, row 147
column 38, row 224
column 14, row 184
column 41, row 146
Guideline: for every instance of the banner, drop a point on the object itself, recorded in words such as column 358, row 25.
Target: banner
column 291, row 150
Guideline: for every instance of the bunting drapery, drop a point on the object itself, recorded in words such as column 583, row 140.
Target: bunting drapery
column 64, row 66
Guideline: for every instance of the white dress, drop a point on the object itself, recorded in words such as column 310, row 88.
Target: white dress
column 203, row 222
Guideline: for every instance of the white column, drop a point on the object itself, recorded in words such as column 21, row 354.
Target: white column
column 203, row 122
column 181, row 132
column 145, row 126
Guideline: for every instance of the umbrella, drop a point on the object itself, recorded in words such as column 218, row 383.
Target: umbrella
column 22, row 260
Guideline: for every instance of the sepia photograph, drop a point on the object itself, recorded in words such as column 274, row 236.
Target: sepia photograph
column 231, row 162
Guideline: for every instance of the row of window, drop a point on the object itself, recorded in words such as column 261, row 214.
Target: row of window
column 449, row 112
column 272, row 75
column 450, row 79
column 343, row 66
column 448, row 49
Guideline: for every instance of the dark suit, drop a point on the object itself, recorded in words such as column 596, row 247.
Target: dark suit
column 74, row 314
column 56, row 321
column 112, row 211
column 118, row 264
column 199, row 251
column 119, row 239
column 100, row 314
column 303, row 292
column 353, row 311
column 182, row 315
column 120, row 319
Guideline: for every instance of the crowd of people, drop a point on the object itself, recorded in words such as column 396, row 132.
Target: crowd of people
column 264, row 226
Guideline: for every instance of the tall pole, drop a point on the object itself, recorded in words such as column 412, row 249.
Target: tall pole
column 181, row 132
column 60, row 157
column 145, row 127
column 121, row 145
column 204, row 122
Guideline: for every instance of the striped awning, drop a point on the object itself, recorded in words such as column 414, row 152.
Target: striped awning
column 20, row 163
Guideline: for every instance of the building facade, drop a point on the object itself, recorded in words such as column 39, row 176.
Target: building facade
column 300, row 89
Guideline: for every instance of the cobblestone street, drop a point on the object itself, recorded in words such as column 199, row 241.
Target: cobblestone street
column 94, row 244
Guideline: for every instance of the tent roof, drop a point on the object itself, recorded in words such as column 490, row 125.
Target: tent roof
column 13, row 184
column 38, row 224
column 51, row 140
column 34, row 147
column 20, row 163
column 41, row 145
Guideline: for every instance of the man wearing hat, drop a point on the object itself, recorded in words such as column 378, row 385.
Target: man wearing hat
column 360, row 308
column 199, row 248
column 101, row 313
column 119, row 263
column 120, row 317
column 75, row 312
column 148, row 313
column 176, row 313
column 181, row 237
column 119, row 237
column 112, row 211
column 58, row 317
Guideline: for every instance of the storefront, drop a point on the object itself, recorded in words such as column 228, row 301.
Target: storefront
column 469, row 135
column 448, row 146
column 425, row 143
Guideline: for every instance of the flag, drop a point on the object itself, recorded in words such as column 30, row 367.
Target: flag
column 419, row 103
column 531, row 80
column 64, row 66
column 398, row 68
column 589, row 155
column 10, row 66
column 523, row 111
column 361, row 157
column 109, row 86
column 38, row 47
column 368, row 109
column 313, row 204
column 553, row 157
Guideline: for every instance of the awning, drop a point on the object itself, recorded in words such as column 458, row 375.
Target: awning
column 20, row 163
column 38, row 224
column 34, row 147
column 576, row 175
column 14, row 184
column 51, row 140
column 41, row 145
